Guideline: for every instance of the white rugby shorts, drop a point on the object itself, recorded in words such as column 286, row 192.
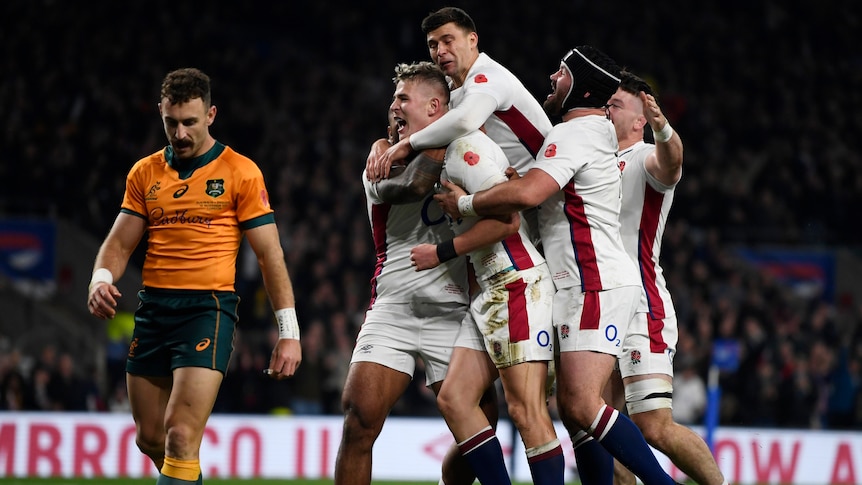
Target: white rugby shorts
column 649, row 346
column 395, row 334
column 513, row 313
column 594, row 320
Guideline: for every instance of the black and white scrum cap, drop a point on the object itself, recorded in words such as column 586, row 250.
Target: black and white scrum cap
column 595, row 78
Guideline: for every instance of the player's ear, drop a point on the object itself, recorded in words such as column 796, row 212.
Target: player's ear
column 211, row 114
column 433, row 106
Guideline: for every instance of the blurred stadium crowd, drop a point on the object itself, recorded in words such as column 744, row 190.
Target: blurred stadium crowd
column 764, row 95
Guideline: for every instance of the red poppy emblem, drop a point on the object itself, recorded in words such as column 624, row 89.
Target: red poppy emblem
column 551, row 151
column 471, row 158
column 622, row 165
column 480, row 78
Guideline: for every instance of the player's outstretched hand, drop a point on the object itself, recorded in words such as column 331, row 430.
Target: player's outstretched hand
column 448, row 198
column 285, row 359
column 424, row 256
column 102, row 300
column 652, row 111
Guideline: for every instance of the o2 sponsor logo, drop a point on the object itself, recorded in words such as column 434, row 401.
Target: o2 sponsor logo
column 543, row 338
column 431, row 213
column 612, row 334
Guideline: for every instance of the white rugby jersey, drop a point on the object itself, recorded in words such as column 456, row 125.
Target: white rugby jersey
column 520, row 124
column 396, row 228
column 645, row 208
column 579, row 225
column 474, row 162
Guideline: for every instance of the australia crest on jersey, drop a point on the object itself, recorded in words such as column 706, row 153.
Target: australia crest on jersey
column 215, row 187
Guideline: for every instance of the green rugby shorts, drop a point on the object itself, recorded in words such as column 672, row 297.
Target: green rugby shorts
column 177, row 328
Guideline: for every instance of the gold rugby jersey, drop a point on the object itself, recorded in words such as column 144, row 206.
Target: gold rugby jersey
column 196, row 211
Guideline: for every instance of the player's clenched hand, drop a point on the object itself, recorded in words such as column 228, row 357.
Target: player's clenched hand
column 379, row 169
column 378, row 148
column 285, row 358
column 424, row 256
column 512, row 174
column 448, row 198
column 102, row 300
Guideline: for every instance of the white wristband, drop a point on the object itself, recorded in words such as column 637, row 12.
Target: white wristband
column 465, row 206
column 101, row 275
column 288, row 326
column 663, row 135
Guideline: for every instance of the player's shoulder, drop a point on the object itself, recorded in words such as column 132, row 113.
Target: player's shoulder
column 233, row 157
column 240, row 165
column 486, row 71
column 475, row 147
column 153, row 160
column 475, row 140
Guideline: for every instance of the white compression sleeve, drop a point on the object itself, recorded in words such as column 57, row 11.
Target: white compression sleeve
column 469, row 116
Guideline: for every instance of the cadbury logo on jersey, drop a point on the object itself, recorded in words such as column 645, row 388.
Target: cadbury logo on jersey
column 159, row 218
column 215, row 187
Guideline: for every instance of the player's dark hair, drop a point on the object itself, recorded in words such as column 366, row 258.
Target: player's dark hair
column 445, row 15
column 634, row 84
column 426, row 72
column 186, row 84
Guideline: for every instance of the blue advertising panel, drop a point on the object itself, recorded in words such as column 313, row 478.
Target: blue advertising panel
column 805, row 271
column 27, row 251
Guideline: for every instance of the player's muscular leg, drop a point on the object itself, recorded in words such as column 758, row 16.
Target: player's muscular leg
column 470, row 373
column 581, row 378
column 524, row 386
column 189, row 407
column 456, row 469
column 654, row 417
column 683, row 446
column 370, row 391
column 148, row 397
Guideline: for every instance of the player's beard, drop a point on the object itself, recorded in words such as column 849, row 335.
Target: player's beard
column 553, row 105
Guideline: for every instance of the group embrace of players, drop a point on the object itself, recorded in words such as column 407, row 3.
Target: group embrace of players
column 507, row 247
column 558, row 230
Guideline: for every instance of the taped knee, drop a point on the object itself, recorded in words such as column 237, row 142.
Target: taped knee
column 649, row 395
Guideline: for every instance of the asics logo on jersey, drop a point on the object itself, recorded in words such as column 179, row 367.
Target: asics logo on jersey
column 203, row 344
column 179, row 193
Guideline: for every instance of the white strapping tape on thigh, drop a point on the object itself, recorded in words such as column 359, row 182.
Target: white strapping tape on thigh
column 649, row 395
